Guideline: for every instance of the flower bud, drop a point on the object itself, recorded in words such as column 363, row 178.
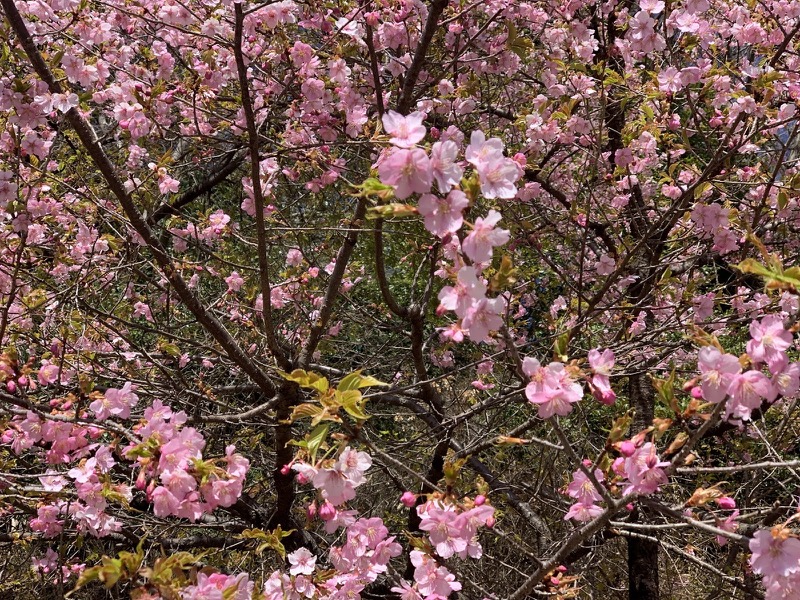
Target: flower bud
column 480, row 500
column 311, row 510
column 408, row 499
column 285, row 470
column 697, row 392
column 11, row 386
column 726, row 502
column 490, row 522
column 627, row 448
column 327, row 511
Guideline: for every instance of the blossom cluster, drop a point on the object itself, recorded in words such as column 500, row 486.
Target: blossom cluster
column 409, row 169
column 555, row 388
column 776, row 557
column 169, row 456
column 336, row 480
column 452, row 531
column 172, row 470
column 639, row 471
column 722, row 375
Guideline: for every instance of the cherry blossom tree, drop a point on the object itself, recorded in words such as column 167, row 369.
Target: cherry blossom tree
column 381, row 298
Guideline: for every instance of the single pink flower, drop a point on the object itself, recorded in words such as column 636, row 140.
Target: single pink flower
column 770, row 342
column 775, row 552
column 409, row 171
column 446, row 170
column 406, row 131
column 443, row 215
column 479, row 244
column 717, row 372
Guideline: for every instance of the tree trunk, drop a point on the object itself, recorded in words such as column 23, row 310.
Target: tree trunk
column 642, row 554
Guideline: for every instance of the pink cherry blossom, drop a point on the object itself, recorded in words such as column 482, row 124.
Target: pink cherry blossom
column 485, row 236
column 583, row 512
column 408, row 170
column 775, row 552
column 582, row 489
column 406, row 131
column 443, row 215
column 461, row 297
column 483, row 317
column 717, row 372
column 551, row 388
column 302, row 561
column 445, row 168
column 770, row 342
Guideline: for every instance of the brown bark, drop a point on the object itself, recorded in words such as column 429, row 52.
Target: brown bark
column 642, row 553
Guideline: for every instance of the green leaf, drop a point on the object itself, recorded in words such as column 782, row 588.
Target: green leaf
column 395, row 209
column 356, row 380
column 353, row 404
column 272, row 539
column 561, row 346
column 619, row 429
column 307, row 379
column 774, row 275
column 519, row 45
column 306, row 410
column 373, row 187
column 315, row 439
column 701, row 189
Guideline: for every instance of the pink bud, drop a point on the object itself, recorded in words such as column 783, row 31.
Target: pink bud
column 285, row 470
column 23, row 380
column 627, row 448
column 629, row 507
column 124, row 124
column 561, row 569
column 435, row 133
column 408, row 499
column 480, row 500
column 11, row 386
column 697, row 392
column 301, row 479
column 520, row 159
column 726, row 502
column 490, row 522
column 311, row 510
column 327, row 511
column 141, row 480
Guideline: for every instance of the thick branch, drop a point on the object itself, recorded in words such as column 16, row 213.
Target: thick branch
column 258, row 194
column 406, row 98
